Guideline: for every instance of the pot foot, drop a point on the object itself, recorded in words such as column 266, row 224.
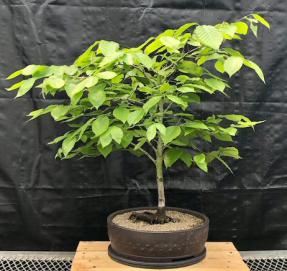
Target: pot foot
column 156, row 263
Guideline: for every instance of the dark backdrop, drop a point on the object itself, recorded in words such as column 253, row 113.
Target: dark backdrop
column 47, row 204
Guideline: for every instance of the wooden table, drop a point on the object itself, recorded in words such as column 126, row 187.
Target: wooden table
column 221, row 256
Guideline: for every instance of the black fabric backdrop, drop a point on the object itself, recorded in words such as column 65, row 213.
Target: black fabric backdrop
column 47, row 204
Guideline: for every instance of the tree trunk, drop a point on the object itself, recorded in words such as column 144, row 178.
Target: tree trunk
column 159, row 175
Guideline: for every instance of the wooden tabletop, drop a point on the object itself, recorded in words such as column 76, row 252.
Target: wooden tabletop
column 221, row 256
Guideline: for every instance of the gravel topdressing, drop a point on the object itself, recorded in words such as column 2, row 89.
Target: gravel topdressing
column 185, row 221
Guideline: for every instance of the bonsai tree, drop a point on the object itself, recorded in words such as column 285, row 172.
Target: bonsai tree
column 143, row 99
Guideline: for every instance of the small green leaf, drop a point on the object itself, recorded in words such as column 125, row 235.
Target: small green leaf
column 100, row 125
column 219, row 66
column 151, row 103
column 186, row 158
column 25, row 86
column 97, row 95
column 215, row 84
column 171, row 156
column 144, row 59
column 55, row 82
column 68, row 144
column 29, row 70
column 121, row 113
column 200, row 161
column 232, row 65
column 196, row 124
column 151, row 132
column 254, row 29
column 261, row 20
column 106, row 75
column 59, row 112
column 178, row 100
column 242, row 28
column 190, row 67
column 14, row 74
column 171, row 133
column 15, row 86
column 170, row 42
column 91, row 81
column 183, row 28
column 209, row 36
column 106, row 150
column 161, row 128
column 107, row 48
column 135, row 116
column 106, row 138
column 186, row 89
column 229, row 152
column 117, row 134
column 255, row 67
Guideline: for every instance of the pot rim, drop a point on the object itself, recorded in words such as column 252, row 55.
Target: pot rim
column 122, row 211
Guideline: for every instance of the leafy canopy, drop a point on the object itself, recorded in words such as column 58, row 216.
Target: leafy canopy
column 130, row 98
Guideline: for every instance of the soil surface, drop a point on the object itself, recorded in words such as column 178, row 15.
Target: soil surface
column 184, row 221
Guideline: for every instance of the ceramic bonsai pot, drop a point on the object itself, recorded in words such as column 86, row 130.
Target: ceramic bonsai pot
column 157, row 249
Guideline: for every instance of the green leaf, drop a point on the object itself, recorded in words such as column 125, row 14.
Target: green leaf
column 97, row 95
column 106, row 150
column 186, row 89
column 255, row 67
column 121, row 113
column 127, row 139
column 90, row 81
column 144, row 59
column 59, row 112
column 14, row 74
column 29, row 70
column 232, row 65
column 190, row 67
column 215, row 84
column 68, row 144
column 186, row 158
column 196, row 124
column 261, row 20
column 171, row 133
column 170, row 42
column 178, row 101
column 254, row 29
column 229, row 152
column 151, row 132
column 135, row 116
column 100, row 125
column 171, row 156
column 106, row 138
column 242, row 28
column 209, row 36
column 15, row 86
column 25, row 86
column 152, row 47
column 219, row 66
column 151, row 103
column 117, row 134
column 106, row 75
column 107, row 48
column 55, row 82
column 200, row 161
column 161, row 128
column 183, row 28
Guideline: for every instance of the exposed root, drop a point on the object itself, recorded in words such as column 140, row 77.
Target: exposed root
column 152, row 218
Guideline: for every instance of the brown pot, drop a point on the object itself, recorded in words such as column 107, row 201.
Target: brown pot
column 157, row 249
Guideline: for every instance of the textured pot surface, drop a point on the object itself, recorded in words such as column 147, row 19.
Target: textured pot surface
column 158, row 246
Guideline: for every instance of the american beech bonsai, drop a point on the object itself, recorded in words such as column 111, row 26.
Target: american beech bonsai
column 142, row 99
